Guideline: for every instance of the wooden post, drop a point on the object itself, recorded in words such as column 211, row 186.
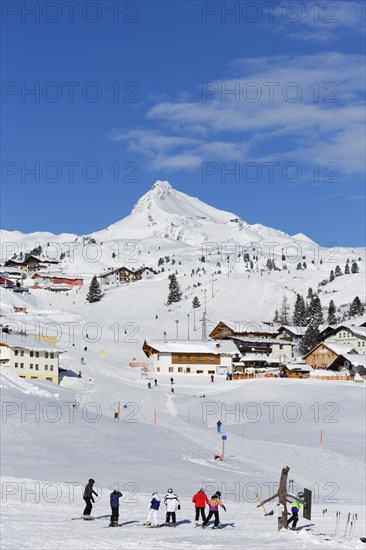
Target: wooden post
column 282, row 493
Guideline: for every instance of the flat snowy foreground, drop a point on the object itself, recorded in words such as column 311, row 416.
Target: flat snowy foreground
column 48, row 455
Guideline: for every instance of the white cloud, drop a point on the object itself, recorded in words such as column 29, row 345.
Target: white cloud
column 325, row 125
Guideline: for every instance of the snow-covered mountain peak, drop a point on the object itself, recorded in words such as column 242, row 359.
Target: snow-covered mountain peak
column 159, row 192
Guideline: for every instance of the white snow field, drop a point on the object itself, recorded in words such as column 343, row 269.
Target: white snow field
column 49, row 449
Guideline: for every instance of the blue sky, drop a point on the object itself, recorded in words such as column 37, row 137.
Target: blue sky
column 123, row 99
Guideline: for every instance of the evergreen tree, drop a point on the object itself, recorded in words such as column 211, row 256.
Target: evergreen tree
column 299, row 312
column 174, row 290
column 337, row 271
column 310, row 293
column 331, row 275
column 332, row 319
column 314, row 313
column 276, row 318
column 284, row 311
column 355, row 268
column 309, row 339
column 298, row 266
column 95, row 293
column 195, row 302
column 356, row 308
column 346, row 269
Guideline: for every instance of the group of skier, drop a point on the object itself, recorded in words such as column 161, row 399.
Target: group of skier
column 171, row 502
column 172, row 505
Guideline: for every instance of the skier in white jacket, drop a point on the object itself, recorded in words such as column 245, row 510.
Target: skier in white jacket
column 172, row 504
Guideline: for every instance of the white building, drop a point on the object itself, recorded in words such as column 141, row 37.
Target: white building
column 29, row 358
column 190, row 356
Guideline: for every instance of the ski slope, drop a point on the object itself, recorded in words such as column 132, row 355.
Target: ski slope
column 57, row 445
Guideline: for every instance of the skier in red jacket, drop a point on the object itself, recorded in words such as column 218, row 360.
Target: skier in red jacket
column 200, row 500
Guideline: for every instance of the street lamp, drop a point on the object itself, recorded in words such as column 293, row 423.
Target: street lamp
column 205, row 291
column 188, row 325
column 177, row 321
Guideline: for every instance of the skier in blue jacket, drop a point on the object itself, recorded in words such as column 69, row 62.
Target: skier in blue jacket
column 152, row 516
column 114, row 501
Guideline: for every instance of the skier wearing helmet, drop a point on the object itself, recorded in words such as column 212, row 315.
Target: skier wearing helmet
column 172, row 504
column 214, row 503
column 295, row 508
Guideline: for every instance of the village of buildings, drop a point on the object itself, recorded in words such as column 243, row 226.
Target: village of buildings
column 234, row 349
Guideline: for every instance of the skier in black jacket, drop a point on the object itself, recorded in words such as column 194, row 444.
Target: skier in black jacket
column 88, row 497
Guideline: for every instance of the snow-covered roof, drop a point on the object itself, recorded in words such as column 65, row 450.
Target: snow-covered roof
column 298, row 366
column 340, row 349
column 26, row 341
column 194, row 346
column 358, row 360
column 250, row 326
column 298, row 331
column 254, row 357
column 263, row 340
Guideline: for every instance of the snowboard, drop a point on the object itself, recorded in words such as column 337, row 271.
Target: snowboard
column 307, row 506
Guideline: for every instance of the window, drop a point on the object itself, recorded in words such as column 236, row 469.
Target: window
column 171, row 369
column 188, row 370
column 35, row 377
column 180, row 357
column 37, row 353
column 22, row 353
column 16, row 352
column 22, row 365
column 157, row 369
column 52, row 355
column 199, row 371
column 46, row 367
column 51, row 367
column 211, row 372
column 188, row 357
column 180, row 369
column 31, row 366
column 16, row 365
column 46, row 354
column 37, row 367
column 49, row 379
column 158, row 357
column 31, row 353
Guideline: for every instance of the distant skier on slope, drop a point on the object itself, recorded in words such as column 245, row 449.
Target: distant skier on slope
column 152, row 516
column 114, row 502
column 172, row 504
column 214, row 504
column 88, row 497
column 200, row 500
column 295, row 508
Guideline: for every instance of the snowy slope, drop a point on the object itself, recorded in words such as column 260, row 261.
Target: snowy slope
column 179, row 451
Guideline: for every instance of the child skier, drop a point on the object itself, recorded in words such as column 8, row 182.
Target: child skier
column 200, row 500
column 114, row 502
column 295, row 508
column 152, row 516
column 172, row 504
column 214, row 504
column 88, row 497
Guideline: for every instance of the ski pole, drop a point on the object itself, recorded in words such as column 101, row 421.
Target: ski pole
column 346, row 527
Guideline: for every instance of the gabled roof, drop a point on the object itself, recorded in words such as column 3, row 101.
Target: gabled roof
column 193, row 346
column 297, row 331
column 339, row 349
